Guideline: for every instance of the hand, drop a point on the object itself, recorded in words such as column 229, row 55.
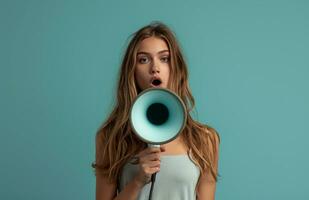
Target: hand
column 149, row 163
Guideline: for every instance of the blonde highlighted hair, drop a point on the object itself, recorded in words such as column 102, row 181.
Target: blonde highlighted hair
column 115, row 142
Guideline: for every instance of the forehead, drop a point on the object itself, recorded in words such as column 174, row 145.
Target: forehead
column 152, row 45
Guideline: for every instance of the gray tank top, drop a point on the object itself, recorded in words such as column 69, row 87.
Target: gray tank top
column 176, row 179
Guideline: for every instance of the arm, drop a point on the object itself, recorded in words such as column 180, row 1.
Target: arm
column 107, row 191
column 207, row 188
column 207, row 185
column 148, row 162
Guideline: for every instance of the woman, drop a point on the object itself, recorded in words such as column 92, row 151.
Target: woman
column 187, row 166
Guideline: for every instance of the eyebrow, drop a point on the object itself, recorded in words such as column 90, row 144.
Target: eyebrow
column 143, row 52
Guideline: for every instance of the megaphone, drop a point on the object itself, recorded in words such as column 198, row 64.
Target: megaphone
column 157, row 116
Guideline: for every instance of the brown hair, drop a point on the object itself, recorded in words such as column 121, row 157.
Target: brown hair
column 115, row 142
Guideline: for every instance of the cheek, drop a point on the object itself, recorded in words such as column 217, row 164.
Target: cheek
column 139, row 74
column 140, row 77
column 167, row 72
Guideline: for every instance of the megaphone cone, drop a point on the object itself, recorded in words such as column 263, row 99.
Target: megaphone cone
column 158, row 116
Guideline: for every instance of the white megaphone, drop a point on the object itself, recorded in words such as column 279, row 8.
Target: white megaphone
column 157, row 116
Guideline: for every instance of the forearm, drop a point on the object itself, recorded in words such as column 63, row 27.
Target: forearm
column 130, row 191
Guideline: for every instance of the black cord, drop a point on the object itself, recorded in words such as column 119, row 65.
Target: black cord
column 153, row 179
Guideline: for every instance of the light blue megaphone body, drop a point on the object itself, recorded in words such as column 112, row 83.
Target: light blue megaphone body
column 157, row 116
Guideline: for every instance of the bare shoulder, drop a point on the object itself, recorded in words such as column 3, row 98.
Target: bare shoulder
column 213, row 144
column 213, row 133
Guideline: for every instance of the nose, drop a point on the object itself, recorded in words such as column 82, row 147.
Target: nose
column 155, row 68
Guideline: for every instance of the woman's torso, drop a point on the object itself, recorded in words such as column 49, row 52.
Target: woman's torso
column 176, row 179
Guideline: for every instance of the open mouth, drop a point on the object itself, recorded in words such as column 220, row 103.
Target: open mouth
column 156, row 82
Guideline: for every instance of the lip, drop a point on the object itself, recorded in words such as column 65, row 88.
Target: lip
column 155, row 78
column 157, row 86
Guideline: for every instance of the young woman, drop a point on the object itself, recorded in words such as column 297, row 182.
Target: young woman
column 187, row 166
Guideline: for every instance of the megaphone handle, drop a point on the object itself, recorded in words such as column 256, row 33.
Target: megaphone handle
column 153, row 176
column 154, row 145
column 153, row 179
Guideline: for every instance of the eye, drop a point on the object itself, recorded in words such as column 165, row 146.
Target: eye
column 165, row 59
column 143, row 60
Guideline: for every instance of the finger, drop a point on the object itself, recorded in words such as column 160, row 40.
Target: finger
column 162, row 148
column 150, row 157
column 153, row 149
column 152, row 164
column 148, row 151
column 154, row 170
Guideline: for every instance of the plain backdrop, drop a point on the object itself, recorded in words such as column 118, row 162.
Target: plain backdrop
column 248, row 64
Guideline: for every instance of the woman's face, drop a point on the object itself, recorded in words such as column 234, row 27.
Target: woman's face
column 152, row 63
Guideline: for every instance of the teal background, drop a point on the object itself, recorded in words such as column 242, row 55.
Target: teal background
column 248, row 64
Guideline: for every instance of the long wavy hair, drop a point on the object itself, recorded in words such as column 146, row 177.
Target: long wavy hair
column 116, row 143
